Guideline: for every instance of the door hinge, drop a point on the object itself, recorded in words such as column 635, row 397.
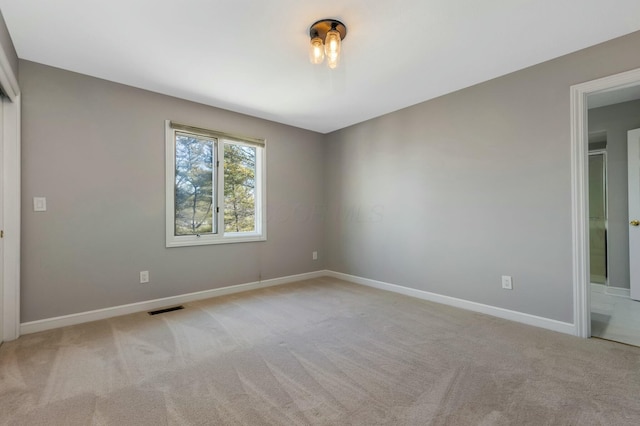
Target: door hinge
column 217, row 209
column 1, row 233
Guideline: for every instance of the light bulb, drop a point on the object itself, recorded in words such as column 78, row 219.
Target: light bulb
column 332, row 47
column 316, row 51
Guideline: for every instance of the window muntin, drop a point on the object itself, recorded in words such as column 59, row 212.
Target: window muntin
column 215, row 187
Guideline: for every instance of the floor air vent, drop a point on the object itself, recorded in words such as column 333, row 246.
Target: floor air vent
column 162, row 311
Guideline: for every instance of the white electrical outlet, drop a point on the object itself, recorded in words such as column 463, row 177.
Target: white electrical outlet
column 314, row 255
column 144, row 277
column 507, row 282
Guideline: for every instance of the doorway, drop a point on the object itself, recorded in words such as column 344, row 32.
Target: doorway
column 10, row 229
column 10, row 196
column 605, row 218
column 614, row 315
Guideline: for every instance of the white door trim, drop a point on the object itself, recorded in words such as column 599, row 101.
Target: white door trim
column 8, row 80
column 580, row 189
column 11, row 205
column 11, row 179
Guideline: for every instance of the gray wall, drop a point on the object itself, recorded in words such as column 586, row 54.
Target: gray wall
column 7, row 46
column 462, row 189
column 95, row 149
column 616, row 120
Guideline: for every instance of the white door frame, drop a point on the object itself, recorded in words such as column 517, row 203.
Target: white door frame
column 11, row 205
column 580, row 189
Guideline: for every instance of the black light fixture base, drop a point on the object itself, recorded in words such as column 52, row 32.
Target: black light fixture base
column 322, row 27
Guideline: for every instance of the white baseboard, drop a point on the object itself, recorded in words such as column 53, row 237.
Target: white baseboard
column 617, row 291
column 549, row 324
column 98, row 314
column 611, row 291
column 82, row 317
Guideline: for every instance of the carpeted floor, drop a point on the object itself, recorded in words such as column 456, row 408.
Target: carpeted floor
column 323, row 352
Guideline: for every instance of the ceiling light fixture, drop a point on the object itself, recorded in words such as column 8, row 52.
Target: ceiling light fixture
column 326, row 39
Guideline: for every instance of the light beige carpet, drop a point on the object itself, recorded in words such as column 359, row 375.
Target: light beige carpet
column 320, row 352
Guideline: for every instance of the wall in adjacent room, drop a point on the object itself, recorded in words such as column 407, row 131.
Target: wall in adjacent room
column 615, row 121
column 450, row 194
column 95, row 150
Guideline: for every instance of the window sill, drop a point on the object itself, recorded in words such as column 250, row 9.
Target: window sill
column 205, row 240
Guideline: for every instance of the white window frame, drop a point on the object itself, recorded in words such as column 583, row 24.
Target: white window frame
column 221, row 237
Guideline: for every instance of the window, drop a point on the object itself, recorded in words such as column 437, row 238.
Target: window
column 215, row 187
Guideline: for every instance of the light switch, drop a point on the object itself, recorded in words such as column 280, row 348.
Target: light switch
column 39, row 204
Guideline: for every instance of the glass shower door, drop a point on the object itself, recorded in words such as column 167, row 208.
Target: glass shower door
column 598, row 217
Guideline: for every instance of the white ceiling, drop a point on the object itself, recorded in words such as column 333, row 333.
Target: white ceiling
column 250, row 56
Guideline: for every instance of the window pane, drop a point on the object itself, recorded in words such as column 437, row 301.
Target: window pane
column 194, row 195
column 239, row 188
